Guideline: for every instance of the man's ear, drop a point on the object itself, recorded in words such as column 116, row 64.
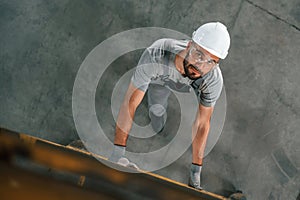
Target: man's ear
column 189, row 44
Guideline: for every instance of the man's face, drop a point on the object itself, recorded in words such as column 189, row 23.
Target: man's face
column 198, row 61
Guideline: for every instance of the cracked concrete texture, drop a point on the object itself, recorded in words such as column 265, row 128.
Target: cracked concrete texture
column 287, row 11
column 266, row 107
column 43, row 44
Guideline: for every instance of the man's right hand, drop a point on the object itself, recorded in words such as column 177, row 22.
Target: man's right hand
column 118, row 157
column 126, row 163
column 118, row 152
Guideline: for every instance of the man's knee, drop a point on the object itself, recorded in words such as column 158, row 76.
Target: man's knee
column 157, row 109
column 157, row 114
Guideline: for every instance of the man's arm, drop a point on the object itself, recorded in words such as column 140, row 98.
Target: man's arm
column 200, row 132
column 131, row 101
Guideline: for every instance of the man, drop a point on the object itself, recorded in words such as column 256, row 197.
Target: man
column 179, row 65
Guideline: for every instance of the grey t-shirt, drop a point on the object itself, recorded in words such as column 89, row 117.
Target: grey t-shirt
column 157, row 66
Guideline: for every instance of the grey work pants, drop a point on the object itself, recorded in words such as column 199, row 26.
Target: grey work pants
column 157, row 103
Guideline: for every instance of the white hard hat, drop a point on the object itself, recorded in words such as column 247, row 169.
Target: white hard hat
column 214, row 38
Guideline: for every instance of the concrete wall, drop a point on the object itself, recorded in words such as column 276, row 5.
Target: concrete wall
column 43, row 43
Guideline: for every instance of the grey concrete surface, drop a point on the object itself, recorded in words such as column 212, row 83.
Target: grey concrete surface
column 43, row 44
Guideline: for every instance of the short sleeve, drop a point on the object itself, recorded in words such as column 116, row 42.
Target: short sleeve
column 211, row 90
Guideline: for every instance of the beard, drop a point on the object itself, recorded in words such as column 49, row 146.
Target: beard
column 189, row 70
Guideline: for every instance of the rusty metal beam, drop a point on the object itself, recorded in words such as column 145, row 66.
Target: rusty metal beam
column 27, row 159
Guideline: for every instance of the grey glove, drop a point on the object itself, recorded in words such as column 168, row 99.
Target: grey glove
column 194, row 180
column 126, row 163
column 118, row 157
column 118, row 152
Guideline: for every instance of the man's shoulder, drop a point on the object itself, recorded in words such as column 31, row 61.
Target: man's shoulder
column 169, row 44
column 215, row 76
